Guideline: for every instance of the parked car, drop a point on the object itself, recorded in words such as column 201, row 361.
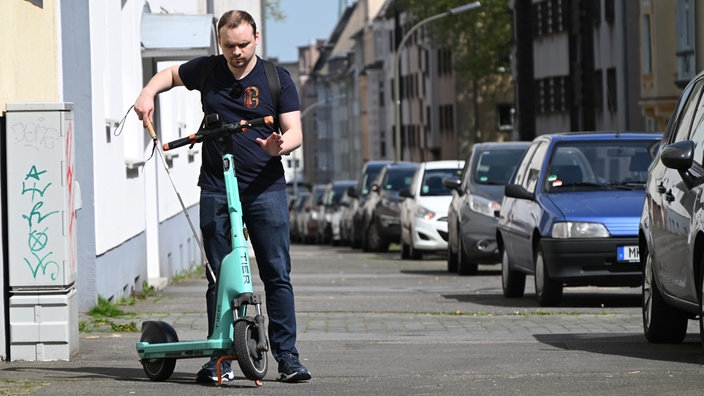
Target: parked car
column 672, row 225
column 424, row 209
column 382, row 210
column 570, row 215
column 295, row 210
column 330, row 210
column 346, row 213
column 311, row 215
column 358, row 196
column 475, row 202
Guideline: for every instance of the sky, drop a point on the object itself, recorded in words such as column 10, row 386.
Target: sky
column 306, row 20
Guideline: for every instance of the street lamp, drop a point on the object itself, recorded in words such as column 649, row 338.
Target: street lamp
column 397, row 57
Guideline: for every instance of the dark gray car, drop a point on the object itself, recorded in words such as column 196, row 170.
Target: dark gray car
column 671, row 234
column 382, row 210
column 476, row 198
column 358, row 196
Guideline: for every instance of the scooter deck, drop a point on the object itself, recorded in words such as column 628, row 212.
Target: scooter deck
column 183, row 349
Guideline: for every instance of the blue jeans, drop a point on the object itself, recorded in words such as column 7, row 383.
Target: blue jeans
column 266, row 219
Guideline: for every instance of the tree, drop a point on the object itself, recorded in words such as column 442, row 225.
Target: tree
column 479, row 39
column 272, row 9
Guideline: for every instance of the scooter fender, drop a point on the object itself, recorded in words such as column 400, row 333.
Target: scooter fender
column 154, row 327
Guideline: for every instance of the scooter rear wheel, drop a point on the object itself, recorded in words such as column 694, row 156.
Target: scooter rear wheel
column 156, row 333
column 252, row 361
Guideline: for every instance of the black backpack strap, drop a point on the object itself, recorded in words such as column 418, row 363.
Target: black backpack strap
column 272, row 76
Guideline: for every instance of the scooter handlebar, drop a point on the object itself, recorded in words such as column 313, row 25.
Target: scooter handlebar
column 205, row 134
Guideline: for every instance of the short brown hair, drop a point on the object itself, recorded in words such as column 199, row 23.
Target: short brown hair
column 235, row 18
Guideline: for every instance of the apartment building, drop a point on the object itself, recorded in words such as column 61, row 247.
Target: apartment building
column 671, row 54
column 575, row 66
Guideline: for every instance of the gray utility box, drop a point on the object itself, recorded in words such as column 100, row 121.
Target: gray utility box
column 41, row 198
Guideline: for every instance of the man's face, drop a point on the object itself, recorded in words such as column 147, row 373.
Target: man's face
column 238, row 45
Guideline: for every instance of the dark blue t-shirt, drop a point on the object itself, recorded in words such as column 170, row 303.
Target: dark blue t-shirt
column 256, row 170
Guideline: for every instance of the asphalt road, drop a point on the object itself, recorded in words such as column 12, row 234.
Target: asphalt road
column 373, row 324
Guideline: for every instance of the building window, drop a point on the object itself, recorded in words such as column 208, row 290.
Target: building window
column 444, row 62
column 647, row 54
column 597, row 12
column 612, row 93
column 557, row 16
column 548, row 17
column 609, row 11
column 599, row 90
column 685, row 41
column 504, row 112
column 446, row 118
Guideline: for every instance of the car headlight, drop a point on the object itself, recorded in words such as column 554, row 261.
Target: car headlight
column 483, row 206
column 423, row 213
column 578, row 229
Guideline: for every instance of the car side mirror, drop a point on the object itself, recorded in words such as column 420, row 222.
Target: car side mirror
column 405, row 193
column 375, row 187
column 680, row 156
column 453, row 183
column 517, row 191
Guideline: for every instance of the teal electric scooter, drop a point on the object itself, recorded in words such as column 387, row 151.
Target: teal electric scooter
column 236, row 336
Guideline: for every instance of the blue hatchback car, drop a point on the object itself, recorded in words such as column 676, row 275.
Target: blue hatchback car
column 570, row 214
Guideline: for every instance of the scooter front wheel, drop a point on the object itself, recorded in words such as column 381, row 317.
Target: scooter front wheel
column 157, row 332
column 252, row 361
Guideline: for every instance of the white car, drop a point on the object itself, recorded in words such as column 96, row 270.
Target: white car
column 424, row 209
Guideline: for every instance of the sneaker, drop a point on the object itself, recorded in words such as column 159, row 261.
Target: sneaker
column 208, row 373
column 292, row 370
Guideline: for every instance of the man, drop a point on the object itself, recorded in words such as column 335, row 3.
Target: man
column 237, row 89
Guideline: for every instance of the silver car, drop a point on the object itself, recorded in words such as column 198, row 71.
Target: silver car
column 476, row 200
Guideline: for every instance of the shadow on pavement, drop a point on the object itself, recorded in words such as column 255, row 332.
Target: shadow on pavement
column 445, row 273
column 130, row 375
column 569, row 300
column 626, row 344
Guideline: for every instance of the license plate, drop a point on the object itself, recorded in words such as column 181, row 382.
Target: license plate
column 628, row 253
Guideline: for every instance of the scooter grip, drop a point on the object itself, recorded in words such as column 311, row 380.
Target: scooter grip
column 179, row 142
column 257, row 122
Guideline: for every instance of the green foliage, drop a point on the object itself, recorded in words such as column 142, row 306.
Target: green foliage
column 480, row 39
column 105, row 309
column 148, row 290
column 102, row 315
column 273, row 10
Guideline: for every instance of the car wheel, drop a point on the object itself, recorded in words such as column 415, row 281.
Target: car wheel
column 405, row 254
column 701, row 307
column 661, row 323
column 513, row 282
column 374, row 241
column 464, row 265
column 414, row 253
column 355, row 238
column 451, row 257
column 548, row 291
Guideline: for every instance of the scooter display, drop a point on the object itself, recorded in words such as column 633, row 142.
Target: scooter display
column 237, row 335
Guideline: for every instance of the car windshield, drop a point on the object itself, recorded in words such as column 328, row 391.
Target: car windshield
column 496, row 166
column 397, row 179
column 335, row 194
column 432, row 181
column 604, row 164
